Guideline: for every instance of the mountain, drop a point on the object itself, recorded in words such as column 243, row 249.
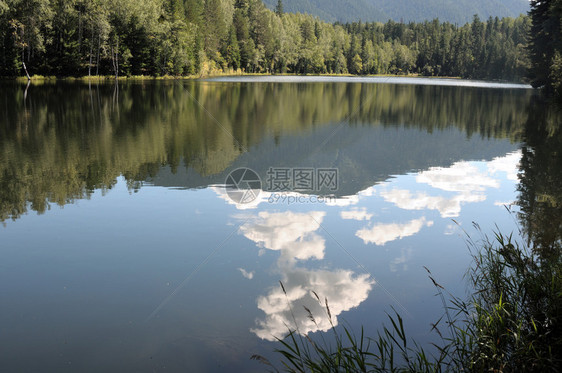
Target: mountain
column 333, row 10
column 455, row 11
column 411, row 149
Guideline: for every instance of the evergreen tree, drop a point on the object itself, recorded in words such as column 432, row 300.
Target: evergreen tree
column 232, row 50
column 545, row 43
column 279, row 8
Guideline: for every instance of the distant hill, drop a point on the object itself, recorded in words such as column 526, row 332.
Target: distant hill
column 455, row 11
column 333, row 10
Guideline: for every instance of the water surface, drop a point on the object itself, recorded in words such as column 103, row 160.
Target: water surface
column 122, row 250
column 438, row 81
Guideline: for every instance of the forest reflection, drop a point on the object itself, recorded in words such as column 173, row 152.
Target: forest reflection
column 61, row 142
column 540, row 187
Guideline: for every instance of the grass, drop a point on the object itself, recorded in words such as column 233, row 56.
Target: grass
column 512, row 321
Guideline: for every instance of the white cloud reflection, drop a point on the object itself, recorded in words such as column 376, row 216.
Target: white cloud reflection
column 468, row 181
column 508, row 164
column 505, row 204
column 460, row 177
column 447, row 207
column 295, row 236
column 343, row 289
column 246, row 274
column 380, row 234
column 356, row 214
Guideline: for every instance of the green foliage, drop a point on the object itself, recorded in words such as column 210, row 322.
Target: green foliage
column 232, row 50
column 356, row 64
column 545, row 45
column 516, row 306
column 279, row 8
column 556, row 73
column 3, row 7
column 175, row 37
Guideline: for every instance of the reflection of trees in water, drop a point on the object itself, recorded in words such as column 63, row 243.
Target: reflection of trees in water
column 65, row 140
column 540, row 188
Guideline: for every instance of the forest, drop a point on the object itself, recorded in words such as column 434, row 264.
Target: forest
column 194, row 38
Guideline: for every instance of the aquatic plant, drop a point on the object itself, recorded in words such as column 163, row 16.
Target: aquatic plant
column 511, row 321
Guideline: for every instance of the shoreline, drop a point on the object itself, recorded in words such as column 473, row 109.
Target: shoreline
column 40, row 79
column 195, row 77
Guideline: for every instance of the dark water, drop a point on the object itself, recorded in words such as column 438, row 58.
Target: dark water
column 123, row 251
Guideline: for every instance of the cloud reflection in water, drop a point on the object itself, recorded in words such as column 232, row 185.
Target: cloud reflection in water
column 295, row 236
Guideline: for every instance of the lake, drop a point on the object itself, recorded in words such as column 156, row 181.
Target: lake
column 147, row 226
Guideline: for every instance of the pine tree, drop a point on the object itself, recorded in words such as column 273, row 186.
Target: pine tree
column 232, row 50
column 540, row 45
column 279, row 8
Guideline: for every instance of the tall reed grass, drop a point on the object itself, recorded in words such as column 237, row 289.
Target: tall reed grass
column 510, row 322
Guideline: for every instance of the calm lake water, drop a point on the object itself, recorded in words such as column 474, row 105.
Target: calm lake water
column 122, row 250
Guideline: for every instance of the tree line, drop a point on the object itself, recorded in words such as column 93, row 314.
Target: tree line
column 193, row 37
column 545, row 45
